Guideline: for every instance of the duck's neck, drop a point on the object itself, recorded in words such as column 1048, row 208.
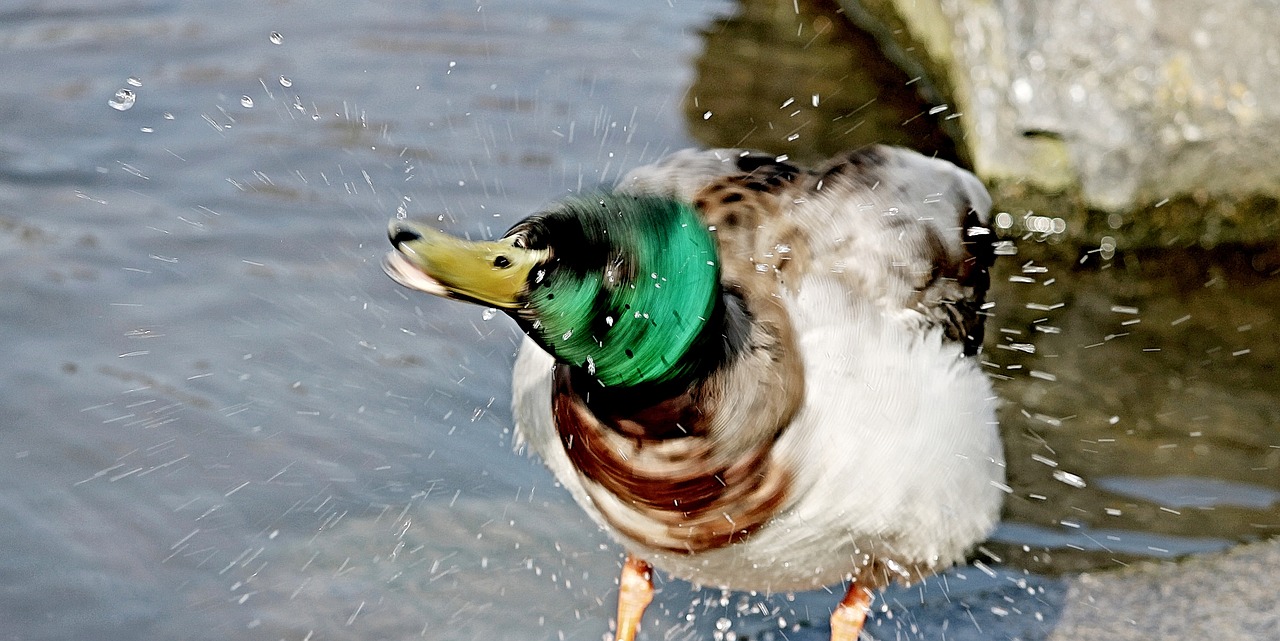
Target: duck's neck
column 688, row 467
column 674, row 406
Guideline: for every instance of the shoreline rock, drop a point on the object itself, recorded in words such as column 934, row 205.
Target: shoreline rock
column 1228, row 596
column 1162, row 113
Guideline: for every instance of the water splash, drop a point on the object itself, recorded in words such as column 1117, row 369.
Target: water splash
column 123, row 100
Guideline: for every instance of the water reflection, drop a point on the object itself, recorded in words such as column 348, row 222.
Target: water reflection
column 1151, row 376
column 798, row 79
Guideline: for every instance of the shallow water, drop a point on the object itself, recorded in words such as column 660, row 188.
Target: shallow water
column 1142, row 403
column 220, row 419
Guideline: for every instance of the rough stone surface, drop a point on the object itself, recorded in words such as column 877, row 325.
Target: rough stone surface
column 1226, row 597
column 1164, row 111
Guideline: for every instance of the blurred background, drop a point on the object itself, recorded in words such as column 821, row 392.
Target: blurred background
column 219, row 419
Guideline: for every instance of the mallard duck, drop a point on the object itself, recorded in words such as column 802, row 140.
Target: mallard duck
column 753, row 375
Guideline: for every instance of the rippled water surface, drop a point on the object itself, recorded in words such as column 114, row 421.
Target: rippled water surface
column 221, row 420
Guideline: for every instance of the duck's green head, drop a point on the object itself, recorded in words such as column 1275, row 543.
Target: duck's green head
column 622, row 286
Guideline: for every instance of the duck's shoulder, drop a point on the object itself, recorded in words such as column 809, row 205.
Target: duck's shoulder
column 744, row 197
column 909, row 232
column 687, row 172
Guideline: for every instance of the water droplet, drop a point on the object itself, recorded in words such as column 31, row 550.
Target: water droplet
column 1107, row 248
column 591, row 366
column 1070, row 479
column 723, row 624
column 133, row 81
column 608, row 321
column 1022, row 90
column 706, row 116
column 276, row 38
column 123, row 100
column 782, row 248
column 488, row 313
column 285, row 82
column 167, row 116
column 246, row 102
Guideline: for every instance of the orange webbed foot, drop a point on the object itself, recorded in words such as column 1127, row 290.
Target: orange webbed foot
column 849, row 617
column 635, row 591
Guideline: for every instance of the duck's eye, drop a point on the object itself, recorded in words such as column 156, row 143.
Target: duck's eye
column 501, row 262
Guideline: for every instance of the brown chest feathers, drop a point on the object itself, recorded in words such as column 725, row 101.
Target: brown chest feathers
column 685, row 491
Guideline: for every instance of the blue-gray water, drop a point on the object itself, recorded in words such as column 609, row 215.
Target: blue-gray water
column 219, row 419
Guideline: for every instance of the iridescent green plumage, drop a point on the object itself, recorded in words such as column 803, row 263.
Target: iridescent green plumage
column 633, row 318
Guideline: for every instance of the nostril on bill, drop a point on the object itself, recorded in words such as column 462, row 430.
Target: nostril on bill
column 400, row 234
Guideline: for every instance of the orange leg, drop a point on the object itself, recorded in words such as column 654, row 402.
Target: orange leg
column 635, row 591
column 851, row 614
